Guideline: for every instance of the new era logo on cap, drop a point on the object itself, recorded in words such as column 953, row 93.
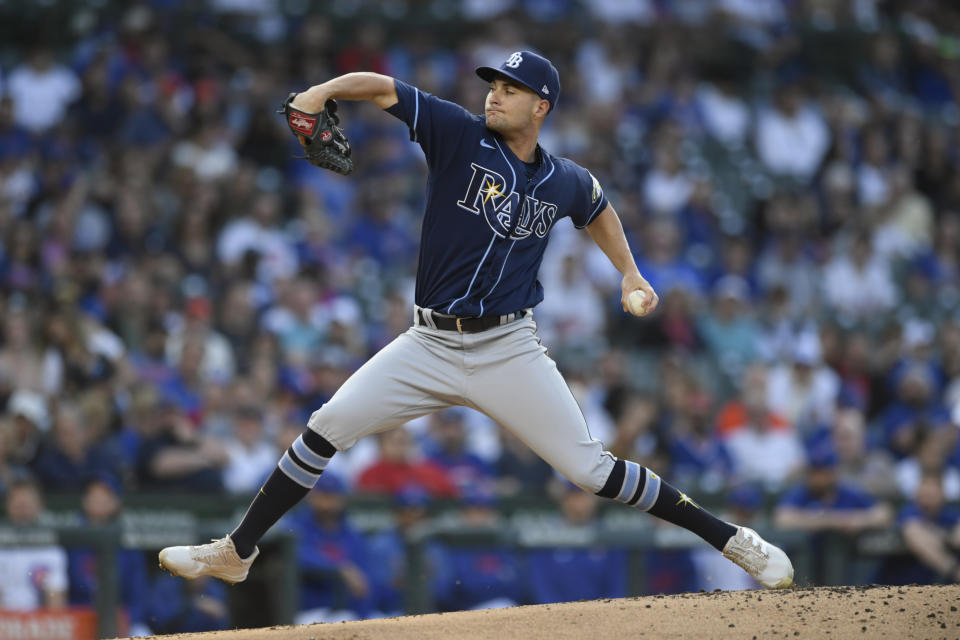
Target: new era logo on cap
column 531, row 70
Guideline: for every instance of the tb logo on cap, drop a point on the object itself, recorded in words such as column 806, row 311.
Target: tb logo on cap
column 514, row 60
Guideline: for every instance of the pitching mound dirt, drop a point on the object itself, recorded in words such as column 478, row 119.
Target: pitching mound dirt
column 825, row 612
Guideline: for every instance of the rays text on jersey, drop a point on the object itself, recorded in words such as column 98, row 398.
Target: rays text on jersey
column 487, row 194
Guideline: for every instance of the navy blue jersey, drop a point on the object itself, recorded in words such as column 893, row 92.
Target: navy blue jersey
column 485, row 226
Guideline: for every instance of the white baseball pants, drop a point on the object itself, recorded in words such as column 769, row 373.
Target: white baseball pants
column 503, row 372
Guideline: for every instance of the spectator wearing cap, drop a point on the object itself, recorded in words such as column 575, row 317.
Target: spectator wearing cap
column 197, row 332
column 476, row 577
column 805, row 390
column 251, row 456
column 33, row 577
column 101, row 506
column 564, row 574
column 388, row 551
column 28, row 421
column 728, row 330
column 930, row 528
column 823, row 503
column 333, row 557
column 915, row 410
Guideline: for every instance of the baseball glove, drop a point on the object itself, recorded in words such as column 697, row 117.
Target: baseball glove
column 324, row 143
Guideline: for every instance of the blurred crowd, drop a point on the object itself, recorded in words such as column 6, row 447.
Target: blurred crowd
column 179, row 292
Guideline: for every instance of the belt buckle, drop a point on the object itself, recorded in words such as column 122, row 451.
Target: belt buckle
column 459, row 328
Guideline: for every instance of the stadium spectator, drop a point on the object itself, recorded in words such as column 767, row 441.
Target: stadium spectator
column 931, row 532
column 389, row 565
column 169, row 453
column 251, row 457
column 187, row 606
column 763, row 446
column 805, row 390
column 858, row 282
column 728, row 330
column 822, row 503
column 791, row 135
column 858, row 463
column 41, row 90
column 698, row 457
column 447, row 448
column 102, row 504
column 71, row 457
column 333, row 558
column 930, row 456
column 519, row 471
column 34, row 577
column 397, row 469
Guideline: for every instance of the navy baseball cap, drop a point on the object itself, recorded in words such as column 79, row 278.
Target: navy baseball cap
column 532, row 71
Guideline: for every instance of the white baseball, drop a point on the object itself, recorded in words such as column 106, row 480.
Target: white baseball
column 635, row 302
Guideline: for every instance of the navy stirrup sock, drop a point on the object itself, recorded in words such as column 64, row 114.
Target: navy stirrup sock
column 296, row 473
column 639, row 487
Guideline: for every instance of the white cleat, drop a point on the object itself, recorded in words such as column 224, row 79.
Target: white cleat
column 218, row 559
column 768, row 564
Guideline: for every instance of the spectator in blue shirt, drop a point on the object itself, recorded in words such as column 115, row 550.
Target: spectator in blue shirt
column 388, row 552
column 72, row 458
column 101, row 506
column 916, row 410
column 188, row 606
column 931, row 532
column 333, row 558
column 697, row 454
column 822, row 504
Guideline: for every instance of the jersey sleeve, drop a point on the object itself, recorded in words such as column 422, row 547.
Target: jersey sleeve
column 588, row 200
column 435, row 124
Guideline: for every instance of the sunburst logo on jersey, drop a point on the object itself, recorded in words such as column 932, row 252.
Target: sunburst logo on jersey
column 491, row 190
column 685, row 499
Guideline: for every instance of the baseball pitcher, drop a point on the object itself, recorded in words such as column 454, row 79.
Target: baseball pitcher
column 493, row 194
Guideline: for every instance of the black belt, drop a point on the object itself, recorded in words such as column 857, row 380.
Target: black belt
column 467, row 325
